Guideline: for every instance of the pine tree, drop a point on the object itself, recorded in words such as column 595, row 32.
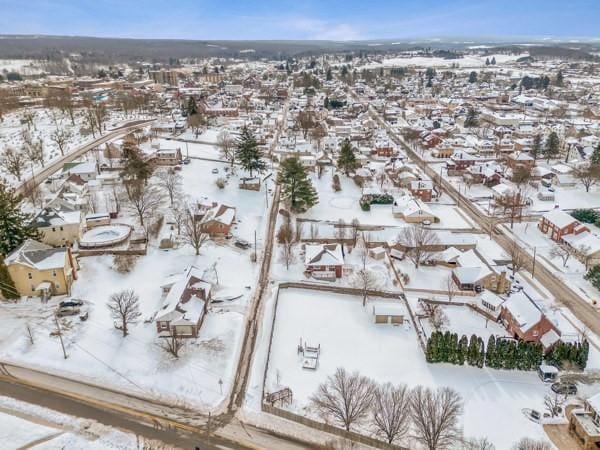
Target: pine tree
column 329, row 77
column 595, row 158
column 493, row 60
column 463, row 345
column 490, row 354
column 472, row 351
column 536, row 146
column 296, row 186
column 559, row 78
column 487, row 61
column 248, row 153
column 473, row 77
column 454, row 349
column 346, row 161
column 14, row 224
column 192, row 108
column 430, row 348
column 480, row 353
column 471, row 119
column 552, row 146
column 7, row 287
column 521, row 362
column 592, row 275
column 511, row 355
column 583, row 354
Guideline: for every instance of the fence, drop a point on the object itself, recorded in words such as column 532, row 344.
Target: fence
column 321, row 426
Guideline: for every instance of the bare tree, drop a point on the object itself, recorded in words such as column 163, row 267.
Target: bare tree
column 532, row 444
column 478, row 444
column 180, row 211
column 588, row 176
column 355, row 228
column 518, row 258
column 172, row 344
column 435, row 416
column 143, row 199
column 306, row 121
column 13, row 161
column 553, row 404
column 391, row 411
column 436, row 314
column 227, row 146
column 364, row 278
column 124, row 307
column 285, row 237
column 340, row 232
column 193, row 233
column 195, row 121
column 61, row 138
column 170, row 180
column 451, row 288
column 562, row 251
column 346, row 398
column 417, row 241
column 34, row 152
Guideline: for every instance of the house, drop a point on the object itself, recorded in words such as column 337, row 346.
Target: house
column 185, row 305
column 586, row 247
column 85, row 170
column 584, row 423
column 558, row 224
column 520, row 160
column 388, row 313
column 489, row 304
column 413, row 210
column 524, row 320
column 324, row 259
column 39, row 269
column 473, row 274
column 422, row 189
column 218, row 219
column 58, row 228
column 168, row 157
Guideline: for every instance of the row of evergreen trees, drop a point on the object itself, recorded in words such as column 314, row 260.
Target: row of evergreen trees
column 498, row 354
column 565, row 353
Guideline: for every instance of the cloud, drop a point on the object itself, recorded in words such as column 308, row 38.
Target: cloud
column 323, row 29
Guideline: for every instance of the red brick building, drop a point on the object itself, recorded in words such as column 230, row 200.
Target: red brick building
column 524, row 320
column 324, row 258
column 557, row 223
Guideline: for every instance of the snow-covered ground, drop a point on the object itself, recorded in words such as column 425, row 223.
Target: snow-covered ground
column 493, row 399
column 99, row 353
column 467, row 61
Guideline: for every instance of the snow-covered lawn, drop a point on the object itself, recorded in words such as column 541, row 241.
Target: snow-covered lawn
column 344, row 205
column 17, row 433
column 98, row 352
column 349, row 338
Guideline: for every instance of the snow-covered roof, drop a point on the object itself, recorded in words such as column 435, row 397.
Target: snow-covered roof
column 549, row 338
column 388, row 309
column 522, row 309
column 559, row 218
column 323, row 255
column 38, row 255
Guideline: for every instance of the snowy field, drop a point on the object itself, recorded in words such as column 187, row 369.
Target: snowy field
column 467, row 61
column 97, row 351
column 344, row 329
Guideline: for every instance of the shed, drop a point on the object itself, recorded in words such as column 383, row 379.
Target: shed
column 388, row 313
column 547, row 373
column 377, row 253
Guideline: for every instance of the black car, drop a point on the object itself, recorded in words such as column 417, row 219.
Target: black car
column 242, row 244
column 564, row 388
column 70, row 303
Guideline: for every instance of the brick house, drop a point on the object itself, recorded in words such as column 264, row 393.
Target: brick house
column 524, row 320
column 422, row 189
column 520, row 159
column 557, row 223
column 217, row 221
column 168, row 157
column 185, row 305
column 324, row 258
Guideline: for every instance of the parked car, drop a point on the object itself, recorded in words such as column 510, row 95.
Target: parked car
column 242, row 244
column 215, row 170
column 186, row 161
column 67, row 311
column 70, row 303
column 564, row 388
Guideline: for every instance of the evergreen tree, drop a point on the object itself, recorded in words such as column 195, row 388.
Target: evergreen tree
column 552, row 146
column 559, row 78
column 582, row 356
column 510, row 355
column 14, row 224
column 522, row 362
column 593, row 276
column 326, row 103
column 346, row 161
column 487, row 61
column 595, row 158
column 248, row 153
column 490, row 354
column 480, row 353
column 446, row 343
column 473, row 351
column 192, row 108
column 493, row 60
column 329, row 76
column 536, row 146
column 430, row 349
column 471, row 119
column 7, row 287
column 453, row 356
column 473, row 77
column 296, row 186
column 462, row 350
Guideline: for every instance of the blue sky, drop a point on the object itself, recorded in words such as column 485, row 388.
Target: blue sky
column 301, row 19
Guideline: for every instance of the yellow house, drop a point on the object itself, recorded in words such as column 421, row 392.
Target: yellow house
column 38, row 269
column 58, row 228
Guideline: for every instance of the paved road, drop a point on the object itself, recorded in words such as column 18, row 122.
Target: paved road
column 57, row 164
column 568, row 297
column 174, row 425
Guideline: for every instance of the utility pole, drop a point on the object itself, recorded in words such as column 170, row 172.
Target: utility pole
column 62, row 344
column 533, row 264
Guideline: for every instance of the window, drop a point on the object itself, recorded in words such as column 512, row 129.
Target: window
column 61, row 228
column 53, row 229
column 54, row 273
column 32, row 288
column 29, row 275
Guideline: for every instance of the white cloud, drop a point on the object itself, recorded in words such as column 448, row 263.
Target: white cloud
column 322, row 29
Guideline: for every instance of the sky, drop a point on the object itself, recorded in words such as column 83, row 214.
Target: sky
column 301, row 19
